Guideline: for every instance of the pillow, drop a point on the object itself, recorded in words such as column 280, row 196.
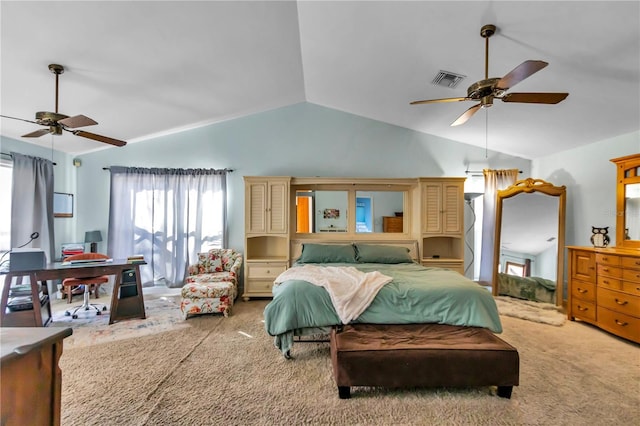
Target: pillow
column 368, row 253
column 327, row 253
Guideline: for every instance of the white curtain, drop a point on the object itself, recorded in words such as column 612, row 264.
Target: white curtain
column 494, row 180
column 32, row 203
column 168, row 216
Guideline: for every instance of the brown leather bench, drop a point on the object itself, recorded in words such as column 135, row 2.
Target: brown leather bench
column 421, row 355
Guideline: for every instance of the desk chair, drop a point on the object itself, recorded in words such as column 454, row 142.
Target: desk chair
column 70, row 283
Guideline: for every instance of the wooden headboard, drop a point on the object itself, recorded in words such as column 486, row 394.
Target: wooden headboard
column 412, row 245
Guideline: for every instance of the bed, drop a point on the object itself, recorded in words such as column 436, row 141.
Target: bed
column 536, row 289
column 414, row 293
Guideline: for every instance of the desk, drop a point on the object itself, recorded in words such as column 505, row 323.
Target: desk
column 40, row 315
column 31, row 378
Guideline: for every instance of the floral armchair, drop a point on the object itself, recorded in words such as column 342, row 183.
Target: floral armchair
column 211, row 284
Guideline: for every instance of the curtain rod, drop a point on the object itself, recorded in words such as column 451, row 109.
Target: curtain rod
column 11, row 156
column 224, row 170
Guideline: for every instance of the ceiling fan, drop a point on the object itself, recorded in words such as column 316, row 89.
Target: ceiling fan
column 485, row 91
column 57, row 122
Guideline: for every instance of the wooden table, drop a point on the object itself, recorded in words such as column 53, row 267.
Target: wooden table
column 130, row 305
column 31, row 383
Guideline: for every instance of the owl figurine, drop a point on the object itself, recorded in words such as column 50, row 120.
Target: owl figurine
column 600, row 237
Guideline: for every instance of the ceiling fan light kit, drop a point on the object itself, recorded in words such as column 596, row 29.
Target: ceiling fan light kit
column 57, row 122
column 485, row 91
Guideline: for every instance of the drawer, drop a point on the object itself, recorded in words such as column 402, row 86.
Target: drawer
column 258, row 287
column 631, row 288
column 265, row 270
column 607, row 259
column 630, row 262
column 619, row 324
column 583, row 310
column 609, row 271
column 608, row 282
column 583, row 290
column 631, row 275
column 619, row 302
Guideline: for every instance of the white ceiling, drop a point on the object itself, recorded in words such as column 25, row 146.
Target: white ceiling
column 144, row 68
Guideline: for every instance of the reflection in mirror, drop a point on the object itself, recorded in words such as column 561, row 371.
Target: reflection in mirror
column 379, row 211
column 530, row 233
column 632, row 212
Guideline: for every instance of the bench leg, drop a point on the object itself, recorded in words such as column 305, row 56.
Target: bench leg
column 505, row 391
column 344, row 392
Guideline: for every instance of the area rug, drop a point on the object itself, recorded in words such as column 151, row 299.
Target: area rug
column 162, row 314
column 545, row 313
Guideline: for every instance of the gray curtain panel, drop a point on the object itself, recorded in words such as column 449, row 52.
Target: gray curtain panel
column 32, row 203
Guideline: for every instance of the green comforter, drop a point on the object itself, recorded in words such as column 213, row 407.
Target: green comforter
column 417, row 294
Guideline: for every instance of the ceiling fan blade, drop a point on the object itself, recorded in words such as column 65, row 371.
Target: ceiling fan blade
column 433, row 101
column 21, row 119
column 98, row 138
column 77, row 121
column 535, row 98
column 466, row 115
column 37, row 133
column 519, row 73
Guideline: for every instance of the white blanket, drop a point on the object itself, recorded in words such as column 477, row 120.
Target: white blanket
column 351, row 290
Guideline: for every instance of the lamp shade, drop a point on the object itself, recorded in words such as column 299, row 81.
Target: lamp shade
column 92, row 237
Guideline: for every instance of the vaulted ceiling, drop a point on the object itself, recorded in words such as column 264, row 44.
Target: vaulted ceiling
column 144, row 68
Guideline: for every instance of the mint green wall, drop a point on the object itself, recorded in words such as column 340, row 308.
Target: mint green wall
column 590, row 179
column 299, row 140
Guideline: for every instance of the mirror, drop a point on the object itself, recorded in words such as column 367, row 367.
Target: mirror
column 529, row 241
column 628, row 201
column 322, row 211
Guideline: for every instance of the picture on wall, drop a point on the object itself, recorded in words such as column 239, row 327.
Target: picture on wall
column 331, row 213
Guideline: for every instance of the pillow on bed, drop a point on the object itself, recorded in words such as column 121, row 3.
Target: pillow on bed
column 369, row 253
column 327, row 253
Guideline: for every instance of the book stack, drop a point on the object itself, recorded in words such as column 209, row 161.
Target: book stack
column 136, row 258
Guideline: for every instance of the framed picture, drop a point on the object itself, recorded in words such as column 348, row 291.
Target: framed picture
column 62, row 204
column 331, row 213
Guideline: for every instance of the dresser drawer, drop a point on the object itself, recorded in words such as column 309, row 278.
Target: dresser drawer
column 583, row 290
column 631, row 288
column 619, row 302
column 265, row 270
column 609, row 271
column 608, row 282
column 583, row 310
column 631, row 275
column 630, row 262
column 258, row 287
column 620, row 324
column 607, row 259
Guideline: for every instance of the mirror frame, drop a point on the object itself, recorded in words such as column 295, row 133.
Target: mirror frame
column 529, row 186
column 626, row 174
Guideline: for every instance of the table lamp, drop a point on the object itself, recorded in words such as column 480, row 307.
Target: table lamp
column 93, row 237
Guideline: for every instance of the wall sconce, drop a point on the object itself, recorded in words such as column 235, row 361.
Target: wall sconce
column 93, row 237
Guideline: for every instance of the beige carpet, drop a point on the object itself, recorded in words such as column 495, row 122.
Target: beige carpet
column 545, row 313
column 219, row 370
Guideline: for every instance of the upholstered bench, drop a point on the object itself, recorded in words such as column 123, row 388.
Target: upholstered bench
column 421, row 355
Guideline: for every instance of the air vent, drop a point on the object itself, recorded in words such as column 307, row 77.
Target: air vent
column 447, row 79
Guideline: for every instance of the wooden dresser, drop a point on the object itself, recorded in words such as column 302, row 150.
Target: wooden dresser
column 604, row 289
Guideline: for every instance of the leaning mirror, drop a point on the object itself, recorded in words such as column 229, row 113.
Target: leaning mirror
column 530, row 228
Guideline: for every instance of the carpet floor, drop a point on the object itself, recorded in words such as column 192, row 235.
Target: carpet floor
column 216, row 370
